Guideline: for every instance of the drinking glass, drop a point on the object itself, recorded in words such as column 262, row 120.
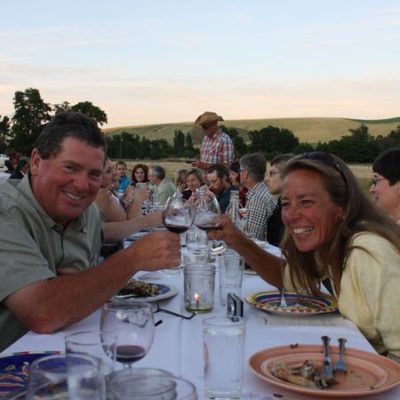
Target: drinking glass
column 177, row 216
column 100, row 345
column 206, row 216
column 133, row 323
column 85, row 379
column 48, row 379
column 163, row 387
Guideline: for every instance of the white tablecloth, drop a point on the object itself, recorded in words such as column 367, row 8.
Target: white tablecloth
column 178, row 343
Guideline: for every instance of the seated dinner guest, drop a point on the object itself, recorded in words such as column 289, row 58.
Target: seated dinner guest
column 140, row 174
column 123, row 181
column 165, row 187
column 334, row 234
column 219, row 184
column 194, row 180
column 260, row 203
column 275, row 227
column 385, row 186
column 51, row 235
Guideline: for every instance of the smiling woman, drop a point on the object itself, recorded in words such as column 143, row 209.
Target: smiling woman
column 335, row 237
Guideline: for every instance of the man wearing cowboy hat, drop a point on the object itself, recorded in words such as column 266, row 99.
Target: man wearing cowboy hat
column 217, row 146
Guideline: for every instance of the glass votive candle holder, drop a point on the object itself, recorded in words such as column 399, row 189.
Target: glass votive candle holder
column 199, row 287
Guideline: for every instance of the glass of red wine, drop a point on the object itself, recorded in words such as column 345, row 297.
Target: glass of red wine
column 133, row 323
column 177, row 215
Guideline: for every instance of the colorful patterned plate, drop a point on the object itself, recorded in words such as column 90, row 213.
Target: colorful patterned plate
column 14, row 370
column 297, row 304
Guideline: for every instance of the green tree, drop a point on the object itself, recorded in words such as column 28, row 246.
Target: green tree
column 179, row 143
column 4, row 133
column 65, row 106
column 273, row 140
column 89, row 109
column 189, row 151
column 31, row 113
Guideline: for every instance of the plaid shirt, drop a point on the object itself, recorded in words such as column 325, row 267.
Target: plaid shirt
column 218, row 149
column 260, row 205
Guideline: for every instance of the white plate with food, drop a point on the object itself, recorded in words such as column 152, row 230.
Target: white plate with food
column 367, row 373
column 142, row 291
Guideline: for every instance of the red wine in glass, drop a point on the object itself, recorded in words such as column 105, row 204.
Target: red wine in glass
column 129, row 353
column 175, row 224
column 208, row 227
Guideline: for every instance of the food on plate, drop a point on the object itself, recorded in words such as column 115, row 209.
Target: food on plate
column 139, row 288
column 306, row 374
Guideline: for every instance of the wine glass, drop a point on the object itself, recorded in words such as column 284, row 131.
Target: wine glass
column 177, row 216
column 133, row 323
column 206, row 218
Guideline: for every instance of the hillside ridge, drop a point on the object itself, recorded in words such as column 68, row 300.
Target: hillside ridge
column 307, row 129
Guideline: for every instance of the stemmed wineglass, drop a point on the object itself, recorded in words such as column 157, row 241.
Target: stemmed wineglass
column 133, row 323
column 177, row 215
column 206, row 218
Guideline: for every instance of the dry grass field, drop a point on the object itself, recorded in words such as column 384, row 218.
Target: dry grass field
column 311, row 130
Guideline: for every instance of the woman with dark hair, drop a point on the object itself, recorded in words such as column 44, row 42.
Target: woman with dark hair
column 385, row 185
column 234, row 176
column 334, row 236
column 140, row 174
column 194, row 179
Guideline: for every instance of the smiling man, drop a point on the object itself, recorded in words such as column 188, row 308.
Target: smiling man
column 51, row 231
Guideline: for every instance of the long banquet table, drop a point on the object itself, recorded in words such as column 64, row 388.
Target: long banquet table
column 178, row 344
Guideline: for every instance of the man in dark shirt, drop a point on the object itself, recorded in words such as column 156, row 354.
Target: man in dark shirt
column 218, row 183
column 275, row 227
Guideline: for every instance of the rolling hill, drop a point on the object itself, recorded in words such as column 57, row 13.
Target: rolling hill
column 311, row 130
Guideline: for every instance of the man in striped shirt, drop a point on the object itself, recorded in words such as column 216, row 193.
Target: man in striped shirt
column 217, row 146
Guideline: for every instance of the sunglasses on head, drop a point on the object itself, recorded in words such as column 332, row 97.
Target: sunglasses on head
column 325, row 158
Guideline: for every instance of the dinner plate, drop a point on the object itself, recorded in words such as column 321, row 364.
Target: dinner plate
column 367, row 373
column 164, row 292
column 297, row 304
column 14, row 370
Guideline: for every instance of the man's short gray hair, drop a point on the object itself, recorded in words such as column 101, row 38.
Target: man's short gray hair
column 255, row 164
column 158, row 171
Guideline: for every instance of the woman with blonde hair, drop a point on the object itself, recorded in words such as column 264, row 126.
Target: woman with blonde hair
column 335, row 236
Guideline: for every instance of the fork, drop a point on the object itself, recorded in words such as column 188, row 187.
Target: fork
column 283, row 300
column 340, row 365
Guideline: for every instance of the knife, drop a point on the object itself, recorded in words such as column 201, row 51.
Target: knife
column 327, row 370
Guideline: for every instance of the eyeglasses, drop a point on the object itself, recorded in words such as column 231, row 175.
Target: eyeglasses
column 273, row 173
column 327, row 159
column 374, row 181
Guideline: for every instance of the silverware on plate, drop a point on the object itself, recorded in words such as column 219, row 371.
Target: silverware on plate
column 327, row 370
column 340, row 365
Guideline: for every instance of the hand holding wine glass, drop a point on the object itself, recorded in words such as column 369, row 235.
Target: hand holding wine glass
column 133, row 323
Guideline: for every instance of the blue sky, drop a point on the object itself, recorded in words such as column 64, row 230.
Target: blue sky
column 168, row 61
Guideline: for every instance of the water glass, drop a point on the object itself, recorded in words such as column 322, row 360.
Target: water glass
column 197, row 241
column 48, row 379
column 154, row 387
column 199, row 284
column 98, row 344
column 85, row 379
column 231, row 267
column 223, row 339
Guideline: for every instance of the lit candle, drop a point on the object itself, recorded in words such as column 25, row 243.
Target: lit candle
column 196, row 298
